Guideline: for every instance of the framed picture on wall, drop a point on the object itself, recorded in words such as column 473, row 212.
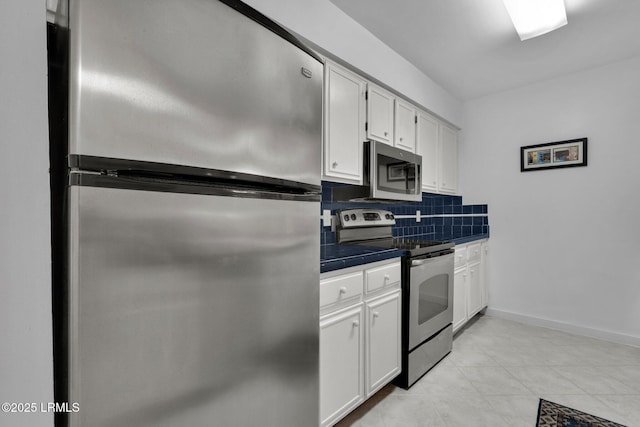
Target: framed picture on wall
column 561, row 154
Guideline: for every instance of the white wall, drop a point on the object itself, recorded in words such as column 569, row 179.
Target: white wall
column 25, row 254
column 324, row 24
column 565, row 243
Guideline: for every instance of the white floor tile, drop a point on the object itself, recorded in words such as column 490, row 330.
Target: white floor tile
column 497, row 373
column 544, row 379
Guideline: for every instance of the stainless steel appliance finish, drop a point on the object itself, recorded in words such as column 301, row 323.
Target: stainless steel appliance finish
column 192, row 309
column 427, row 288
column 431, row 300
column 186, row 270
column 425, row 357
column 195, row 83
column 394, row 173
column 390, row 173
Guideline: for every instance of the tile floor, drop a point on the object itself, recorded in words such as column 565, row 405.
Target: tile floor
column 497, row 372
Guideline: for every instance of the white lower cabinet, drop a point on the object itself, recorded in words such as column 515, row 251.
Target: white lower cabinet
column 475, row 290
column 470, row 283
column 341, row 370
column 459, row 298
column 360, row 333
column 382, row 341
column 484, row 264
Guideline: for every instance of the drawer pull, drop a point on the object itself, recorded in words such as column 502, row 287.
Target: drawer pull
column 376, row 314
column 356, row 323
column 343, row 290
column 386, row 277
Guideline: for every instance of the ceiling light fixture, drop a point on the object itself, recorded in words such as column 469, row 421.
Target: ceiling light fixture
column 533, row 18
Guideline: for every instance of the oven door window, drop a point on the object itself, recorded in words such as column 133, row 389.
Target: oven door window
column 433, row 297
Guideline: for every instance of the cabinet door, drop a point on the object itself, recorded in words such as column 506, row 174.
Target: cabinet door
column 459, row 298
column 382, row 341
column 427, row 147
column 405, row 126
column 344, row 124
column 379, row 114
column 341, row 364
column 474, row 290
column 484, row 277
column 448, row 160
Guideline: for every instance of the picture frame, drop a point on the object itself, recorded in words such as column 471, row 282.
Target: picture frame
column 553, row 155
column 396, row 172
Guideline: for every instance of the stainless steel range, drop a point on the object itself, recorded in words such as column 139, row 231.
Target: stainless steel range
column 427, row 287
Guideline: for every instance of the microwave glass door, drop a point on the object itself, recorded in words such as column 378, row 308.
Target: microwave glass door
column 396, row 176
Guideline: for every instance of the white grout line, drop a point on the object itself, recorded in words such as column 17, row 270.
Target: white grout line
column 439, row 216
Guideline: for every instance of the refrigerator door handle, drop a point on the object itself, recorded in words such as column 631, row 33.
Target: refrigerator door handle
column 214, row 187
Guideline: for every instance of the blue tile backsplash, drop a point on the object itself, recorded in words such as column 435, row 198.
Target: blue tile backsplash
column 442, row 217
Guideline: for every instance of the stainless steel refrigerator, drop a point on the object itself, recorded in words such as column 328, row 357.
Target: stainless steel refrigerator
column 185, row 147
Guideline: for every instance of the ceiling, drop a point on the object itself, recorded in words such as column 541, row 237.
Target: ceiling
column 470, row 47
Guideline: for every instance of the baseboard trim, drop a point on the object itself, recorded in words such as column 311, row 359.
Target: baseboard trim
column 566, row 327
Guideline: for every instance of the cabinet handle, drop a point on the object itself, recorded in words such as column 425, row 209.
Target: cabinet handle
column 400, row 139
column 356, row 323
column 335, row 164
column 376, row 314
column 386, row 277
column 386, row 133
column 343, row 290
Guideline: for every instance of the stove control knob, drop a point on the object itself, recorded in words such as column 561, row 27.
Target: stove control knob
column 353, row 217
column 387, row 216
column 346, row 217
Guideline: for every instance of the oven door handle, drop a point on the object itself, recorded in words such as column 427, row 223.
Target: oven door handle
column 418, row 262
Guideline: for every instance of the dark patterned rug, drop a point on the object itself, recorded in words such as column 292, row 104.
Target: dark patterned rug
column 553, row 415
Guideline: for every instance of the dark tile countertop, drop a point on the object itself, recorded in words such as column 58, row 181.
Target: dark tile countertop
column 467, row 239
column 337, row 256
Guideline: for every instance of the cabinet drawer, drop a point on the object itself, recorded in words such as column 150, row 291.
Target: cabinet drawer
column 473, row 252
column 382, row 277
column 342, row 288
column 460, row 256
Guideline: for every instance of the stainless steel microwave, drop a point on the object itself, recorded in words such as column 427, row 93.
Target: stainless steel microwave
column 390, row 173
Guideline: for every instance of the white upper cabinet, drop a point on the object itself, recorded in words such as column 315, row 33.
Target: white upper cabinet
column 344, row 118
column 427, row 130
column 437, row 143
column 448, row 171
column 405, row 126
column 356, row 110
column 379, row 114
